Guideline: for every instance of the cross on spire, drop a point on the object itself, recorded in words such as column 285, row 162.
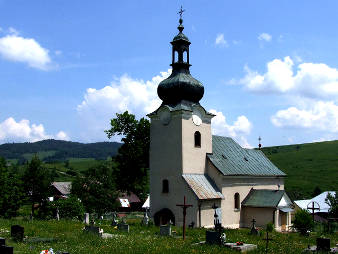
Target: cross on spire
column 181, row 12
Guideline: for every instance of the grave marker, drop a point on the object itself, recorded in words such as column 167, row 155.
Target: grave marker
column 253, row 230
column 86, row 218
column 323, row 244
column 184, row 206
column 17, row 232
column 114, row 221
column 165, row 230
column 123, row 227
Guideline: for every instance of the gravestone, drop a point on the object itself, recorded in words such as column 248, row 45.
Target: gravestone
column 86, row 218
column 114, row 221
column 123, row 227
column 6, row 249
column 57, row 214
column 253, row 230
column 17, row 232
column 191, row 225
column 323, row 244
column 94, row 229
column 165, row 230
column 2, row 241
column 213, row 237
column 145, row 220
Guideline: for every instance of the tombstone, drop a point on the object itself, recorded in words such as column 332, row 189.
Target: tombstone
column 191, row 225
column 213, row 237
column 93, row 229
column 6, row 249
column 323, row 244
column 2, row 241
column 17, row 232
column 165, row 230
column 114, row 221
column 253, row 230
column 86, row 218
column 57, row 214
column 123, row 227
column 145, row 220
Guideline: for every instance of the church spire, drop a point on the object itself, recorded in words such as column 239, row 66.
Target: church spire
column 180, row 85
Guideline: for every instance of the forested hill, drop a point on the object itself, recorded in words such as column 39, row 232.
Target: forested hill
column 58, row 150
column 307, row 166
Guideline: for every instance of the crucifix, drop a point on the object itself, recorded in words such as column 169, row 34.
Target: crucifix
column 181, row 12
column 184, row 206
column 259, row 144
column 313, row 208
column 267, row 239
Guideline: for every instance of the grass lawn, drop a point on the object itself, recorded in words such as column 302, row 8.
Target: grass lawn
column 69, row 237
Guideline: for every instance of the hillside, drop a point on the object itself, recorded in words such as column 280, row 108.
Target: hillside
column 58, row 150
column 307, row 166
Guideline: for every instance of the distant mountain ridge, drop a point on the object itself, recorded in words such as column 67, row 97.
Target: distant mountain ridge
column 59, row 150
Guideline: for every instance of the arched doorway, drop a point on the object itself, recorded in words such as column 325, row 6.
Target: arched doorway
column 163, row 217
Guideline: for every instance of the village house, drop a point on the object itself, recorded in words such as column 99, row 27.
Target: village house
column 187, row 160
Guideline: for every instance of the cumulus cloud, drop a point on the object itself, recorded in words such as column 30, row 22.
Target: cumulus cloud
column 320, row 116
column 311, row 80
column 23, row 131
column 238, row 130
column 26, row 50
column 264, row 37
column 124, row 93
column 220, row 41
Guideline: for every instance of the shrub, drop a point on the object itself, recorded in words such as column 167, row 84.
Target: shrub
column 70, row 208
column 303, row 221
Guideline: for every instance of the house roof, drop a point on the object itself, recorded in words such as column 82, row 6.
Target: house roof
column 63, row 187
column 132, row 198
column 231, row 159
column 263, row 198
column 202, row 186
column 320, row 199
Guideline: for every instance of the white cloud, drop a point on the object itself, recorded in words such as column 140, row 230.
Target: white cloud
column 311, row 80
column 23, row 131
column 26, row 50
column 220, row 41
column 238, row 130
column 125, row 93
column 13, row 31
column 319, row 116
column 264, row 37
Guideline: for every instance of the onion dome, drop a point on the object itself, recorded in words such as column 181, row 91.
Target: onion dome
column 180, row 85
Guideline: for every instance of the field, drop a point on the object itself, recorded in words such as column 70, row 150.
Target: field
column 307, row 166
column 68, row 236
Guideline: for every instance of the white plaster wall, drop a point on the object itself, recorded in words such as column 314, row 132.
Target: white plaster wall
column 231, row 217
column 207, row 213
column 262, row 216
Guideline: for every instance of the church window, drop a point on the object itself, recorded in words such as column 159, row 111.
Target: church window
column 237, row 201
column 185, row 56
column 165, row 186
column 197, row 137
column 176, row 57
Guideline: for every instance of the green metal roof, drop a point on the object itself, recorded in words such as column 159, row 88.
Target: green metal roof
column 231, row 159
column 263, row 198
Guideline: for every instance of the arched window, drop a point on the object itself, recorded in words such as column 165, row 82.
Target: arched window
column 165, row 186
column 176, row 57
column 237, row 201
column 197, row 137
column 185, row 58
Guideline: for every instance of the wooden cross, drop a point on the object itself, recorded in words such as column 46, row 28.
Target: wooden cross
column 313, row 208
column 181, row 12
column 253, row 222
column 184, row 207
column 267, row 239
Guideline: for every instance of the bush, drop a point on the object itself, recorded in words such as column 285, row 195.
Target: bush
column 303, row 222
column 70, row 208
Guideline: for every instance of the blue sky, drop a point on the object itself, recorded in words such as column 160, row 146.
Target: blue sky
column 269, row 68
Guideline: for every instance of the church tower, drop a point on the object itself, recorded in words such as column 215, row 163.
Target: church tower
column 180, row 137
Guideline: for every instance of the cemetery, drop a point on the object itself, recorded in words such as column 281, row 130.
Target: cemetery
column 132, row 235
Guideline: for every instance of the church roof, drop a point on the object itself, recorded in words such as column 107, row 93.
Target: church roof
column 203, row 186
column 263, row 198
column 231, row 159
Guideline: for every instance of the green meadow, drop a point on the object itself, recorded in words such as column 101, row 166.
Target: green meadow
column 68, row 236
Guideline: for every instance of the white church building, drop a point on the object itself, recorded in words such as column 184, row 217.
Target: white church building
column 187, row 160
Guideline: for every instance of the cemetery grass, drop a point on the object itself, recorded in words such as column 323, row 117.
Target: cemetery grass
column 68, row 236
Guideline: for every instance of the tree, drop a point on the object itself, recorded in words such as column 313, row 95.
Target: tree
column 37, row 181
column 11, row 193
column 303, row 221
column 332, row 201
column 70, row 208
column 316, row 191
column 133, row 156
column 96, row 189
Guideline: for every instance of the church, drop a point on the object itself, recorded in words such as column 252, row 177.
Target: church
column 186, row 160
